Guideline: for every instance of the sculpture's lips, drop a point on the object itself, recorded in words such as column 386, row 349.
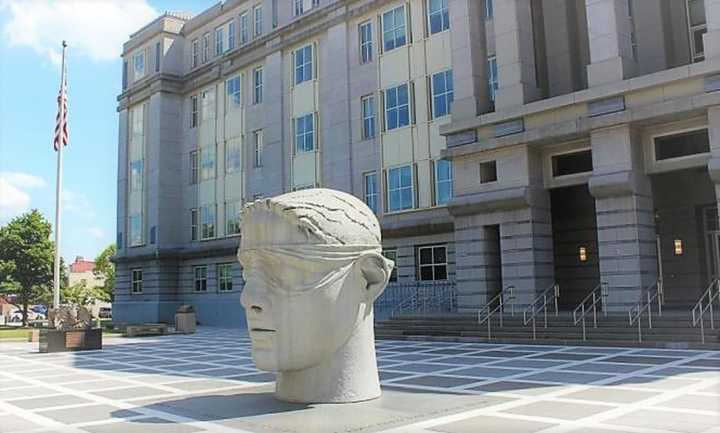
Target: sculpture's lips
column 261, row 330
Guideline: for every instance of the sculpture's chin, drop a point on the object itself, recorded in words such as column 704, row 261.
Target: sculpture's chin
column 265, row 359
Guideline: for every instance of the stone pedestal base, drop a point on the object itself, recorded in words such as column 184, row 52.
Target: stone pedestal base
column 185, row 323
column 52, row 340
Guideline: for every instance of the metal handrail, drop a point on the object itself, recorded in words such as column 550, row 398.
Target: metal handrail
column 506, row 296
column 533, row 309
column 652, row 293
column 597, row 295
column 428, row 298
column 698, row 311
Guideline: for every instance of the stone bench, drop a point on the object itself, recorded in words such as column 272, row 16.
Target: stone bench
column 146, row 329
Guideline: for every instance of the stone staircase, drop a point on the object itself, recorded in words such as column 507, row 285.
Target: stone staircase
column 672, row 330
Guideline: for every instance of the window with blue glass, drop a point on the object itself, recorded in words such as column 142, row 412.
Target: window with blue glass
column 136, row 175
column 207, row 163
column 438, row 16
column 443, row 181
column 303, row 64
column 372, row 194
column 368, row 116
column 492, row 77
column 443, row 95
column 397, row 107
column 489, row 9
column 305, row 133
column 231, row 35
column 233, row 89
column 400, row 188
column 219, row 41
column 135, row 229
column 394, row 32
column 366, row 42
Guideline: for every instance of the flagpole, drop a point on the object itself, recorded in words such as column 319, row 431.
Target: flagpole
column 58, row 196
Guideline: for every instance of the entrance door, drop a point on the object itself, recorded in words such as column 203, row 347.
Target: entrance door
column 712, row 241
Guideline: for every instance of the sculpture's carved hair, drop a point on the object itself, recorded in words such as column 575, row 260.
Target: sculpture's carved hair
column 332, row 216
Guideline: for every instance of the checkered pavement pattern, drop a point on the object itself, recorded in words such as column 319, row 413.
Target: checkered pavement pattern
column 207, row 382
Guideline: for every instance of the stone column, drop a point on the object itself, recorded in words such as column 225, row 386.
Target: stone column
column 610, row 36
column 711, row 39
column 515, row 52
column 469, row 58
column 625, row 216
column 477, row 260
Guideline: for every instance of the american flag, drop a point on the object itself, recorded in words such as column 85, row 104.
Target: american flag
column 61, row 124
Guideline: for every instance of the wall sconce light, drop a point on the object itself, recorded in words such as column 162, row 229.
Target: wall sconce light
column 678, row 244
column 583, row 254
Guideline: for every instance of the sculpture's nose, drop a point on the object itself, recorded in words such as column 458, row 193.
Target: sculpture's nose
column 253, row 300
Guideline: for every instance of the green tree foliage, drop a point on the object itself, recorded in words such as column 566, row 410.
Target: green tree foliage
column 26, row 260
column 106, row 269
column 81, row 294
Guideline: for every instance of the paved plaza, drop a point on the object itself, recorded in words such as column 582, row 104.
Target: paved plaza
column 207, row 383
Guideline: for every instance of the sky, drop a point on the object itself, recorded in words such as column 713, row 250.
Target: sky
column 31, row 32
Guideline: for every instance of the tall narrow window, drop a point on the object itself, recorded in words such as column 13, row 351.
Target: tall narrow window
column 244, row 28
column 224, row 276
column 193, row 111
column 157, row 56
column 136, row 235
column 137, row 281
column 443, row 93
column 305, row 133
column 206, row 47
column 194, row 224
column 125, row 75
column 195, row 53
column 232, row 156
column 231, row 35
column 302, row 6
column 394, row 35
column 200, row 278
column 194, row 173
column 438, row 16
column 633, row 36
column 492, row 77
column 258, row 15
column 443, row 181
column 400, row 188
column 258, row 144
column 489, row 9
column 258, row 85
column 207, row 105
column 397, row 107
column 207, row 220
column 207, row 163
column 368, row 116
column 303, row 64
column 372, row 195
column 233, row 88
column 697, row 23
column 138, row 65
column 366, row 42
column 136, row 174
column 219, row 41
column 232, row 218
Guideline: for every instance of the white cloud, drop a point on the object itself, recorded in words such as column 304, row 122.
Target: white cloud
column 92, row 28
column 14, row 199
column 96, row 232
column 77, row 203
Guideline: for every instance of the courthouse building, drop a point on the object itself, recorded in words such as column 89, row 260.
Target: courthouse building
column 501, row 143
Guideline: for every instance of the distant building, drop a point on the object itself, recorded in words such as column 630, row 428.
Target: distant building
column 81, row 270
column 501, row 143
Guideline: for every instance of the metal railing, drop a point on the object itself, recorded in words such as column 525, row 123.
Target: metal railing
column 427, row 298
column 495, row 305
column 651, row 294
column 705, row 304
column 589, row 305
column 539, row 304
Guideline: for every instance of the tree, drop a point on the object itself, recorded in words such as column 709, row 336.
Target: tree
column 106, row 269
column 80, row 294
column 26, row 260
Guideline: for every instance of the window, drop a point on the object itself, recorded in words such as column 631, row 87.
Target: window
column 258, row 15
column 224, row 275
column 366, row 43
column 137, row 281
column 207, row 100
column 443, row 181
column 194, row 223
column 397, row 107
column 136, row 175
column 232, row 218
column 207, row 163
column 400, row 188
column 697, row 23
column 194, row 167
column 139, row 65
column 193, row 111
column 244, row 28
column 124, row 75
column 368, row 117
column 489, row 9
column 232, row 156
column 157, row 56
column 488, row 172
column 372, row 195
column 684, row 144
column 572, row 163
column 305, row 133
column 302, row 6
column 394, row 28
column 633, row 36
column 219, row 32
column 195, row 53
column 492, row 77
column 303, row 64
column 443, row 94
column 432, row 263
column 231, row 35
column 391, row 254
column 438, row 16
column 257, row 85
column 207, row 219
column 233, row 89
column 135, row 223
column 258, row 145
column 206, row 47
column 200, row 278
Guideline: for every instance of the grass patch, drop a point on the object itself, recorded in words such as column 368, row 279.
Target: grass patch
column 14, row 333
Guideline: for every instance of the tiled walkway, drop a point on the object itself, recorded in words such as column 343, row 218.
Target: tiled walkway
column 207, row 382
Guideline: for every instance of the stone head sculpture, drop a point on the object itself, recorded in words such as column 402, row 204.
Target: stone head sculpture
column 313, row 266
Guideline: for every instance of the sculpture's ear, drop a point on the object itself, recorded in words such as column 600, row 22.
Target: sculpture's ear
column 376, row 270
